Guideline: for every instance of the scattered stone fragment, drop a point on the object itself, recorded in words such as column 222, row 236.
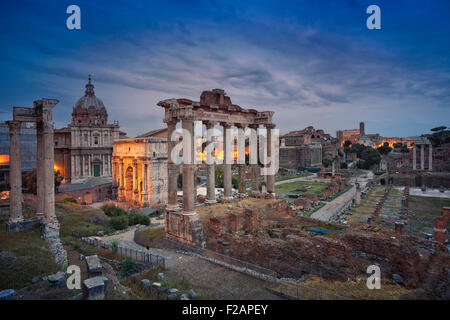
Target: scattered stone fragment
column 7, row 294
column 57, row 279
column 146, row 283
column 184, row 297
column 397, row 279
column 77, row 296
column 172, row 296
column 35, row 279
column 94, row 265
column 160, row 276
column 192, row 293
column 95, row 288
column 173, row 291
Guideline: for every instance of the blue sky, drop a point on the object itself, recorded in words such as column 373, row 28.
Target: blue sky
column 312, row 62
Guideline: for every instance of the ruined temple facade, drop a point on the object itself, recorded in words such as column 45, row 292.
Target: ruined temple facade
column 139, row 168
column 214, row 108
column 84, row 148
column 306, row 148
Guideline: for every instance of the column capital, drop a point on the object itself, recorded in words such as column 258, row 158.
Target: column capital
column 170, row 121
column 210, row 124
column 253, row 126
column 240, row 125
column 225, row 125
column 269, row 125
column 13, row 124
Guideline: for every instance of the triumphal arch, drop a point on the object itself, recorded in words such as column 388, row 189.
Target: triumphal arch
column 214, row 109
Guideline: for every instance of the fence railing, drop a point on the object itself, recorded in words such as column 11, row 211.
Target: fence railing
column 151, row 259
column 213, row 255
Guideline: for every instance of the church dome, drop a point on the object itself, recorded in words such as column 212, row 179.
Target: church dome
column 89, row 109
column 89, row 99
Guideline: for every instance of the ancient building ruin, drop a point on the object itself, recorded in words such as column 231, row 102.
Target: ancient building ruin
column 214, row 108
column 41, row 114
column 422, row 143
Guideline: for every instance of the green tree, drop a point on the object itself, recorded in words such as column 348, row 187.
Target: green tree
column 218, row 176
column 30, row 181
column 326, row 162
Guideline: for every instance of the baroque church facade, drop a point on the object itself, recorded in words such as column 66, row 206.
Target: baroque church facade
column 84, row 148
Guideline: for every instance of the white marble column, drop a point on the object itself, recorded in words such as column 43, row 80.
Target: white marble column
column 188, row 168
column 414, row 158
column 172, row 170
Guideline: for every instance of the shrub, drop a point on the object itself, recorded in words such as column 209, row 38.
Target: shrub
column 127, row 267
column 119, row 223
column 113, row 211
column 114, row 246
column 70, row 200
column 138, row 218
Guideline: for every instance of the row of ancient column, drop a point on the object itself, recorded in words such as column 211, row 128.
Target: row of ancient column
column 189, row 167
column 45, row 176
column 118, row 174
column 422, row 156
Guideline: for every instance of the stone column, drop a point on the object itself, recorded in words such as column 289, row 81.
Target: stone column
column 144, row 183
column 48, row 163
column 210, row 168
column 135, row 182
column 430, row 157
column 254, row 158
column 172, row 170
column 188, row 169
column 241, row 160
column 15, row 172
column 40, row 170
column 122, row 185
column 422, row 153
column 357, row 194
column 271, row 177
column 147, row 181
column 72, row 164
column 414, row 158
column 227, row 161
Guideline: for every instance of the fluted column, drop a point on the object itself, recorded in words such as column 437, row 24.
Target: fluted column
column 172, row 170
column 241, row 160
column 15, row 173
column 422, row 154
column 430, row 157
column 188, row 168
column 227, row 161
column 210, row 167
column 254, row 158
column 270, row 178
column 414, row 158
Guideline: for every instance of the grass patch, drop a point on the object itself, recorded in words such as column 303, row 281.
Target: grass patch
column 149, row 236
column 23, row 256
column 423, row 211
column 313, row 187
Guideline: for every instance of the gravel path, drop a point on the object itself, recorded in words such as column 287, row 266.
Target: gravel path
column 331, row 208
